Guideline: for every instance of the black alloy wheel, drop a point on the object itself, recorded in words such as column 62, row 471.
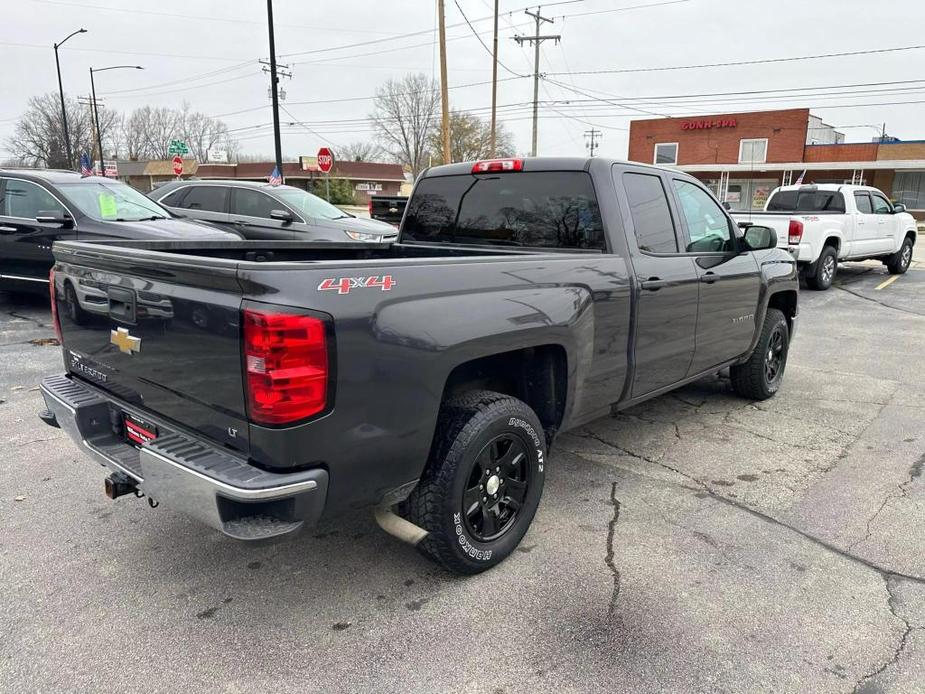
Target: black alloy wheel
column 496, row 488
column 774, row 359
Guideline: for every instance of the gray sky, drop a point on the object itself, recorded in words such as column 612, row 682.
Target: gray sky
column 177, row 41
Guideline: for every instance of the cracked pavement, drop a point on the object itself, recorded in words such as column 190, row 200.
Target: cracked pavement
column 695, row 543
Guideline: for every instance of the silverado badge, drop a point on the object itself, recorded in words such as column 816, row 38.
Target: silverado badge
column 126, row 343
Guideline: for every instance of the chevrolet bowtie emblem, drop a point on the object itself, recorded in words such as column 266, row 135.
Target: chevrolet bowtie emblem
column 126, row 343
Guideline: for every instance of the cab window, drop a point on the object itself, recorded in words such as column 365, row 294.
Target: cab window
column 652, row 220
column 708, row 228
column 862, row 200
column 206, row 198
column 26, row 200
column 881, row 204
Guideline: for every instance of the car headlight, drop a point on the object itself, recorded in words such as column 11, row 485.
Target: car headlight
column 364, row 236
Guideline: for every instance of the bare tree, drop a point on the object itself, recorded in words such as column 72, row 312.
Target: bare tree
column 404, row 116
column 470, row 139
column 202, row 133
column 360, row 151
column 38, row 136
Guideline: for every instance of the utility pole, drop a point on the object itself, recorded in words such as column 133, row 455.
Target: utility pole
column 274, row 83
column 444, row 93
column 494, row 82
column 67, row 137
column 592, row 137
column 96, row 110
column 535, row 41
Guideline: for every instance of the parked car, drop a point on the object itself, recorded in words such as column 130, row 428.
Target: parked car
column 525, row 297
column 39, row 207
column 261, row 211
column 387, row 208
column 823, row 224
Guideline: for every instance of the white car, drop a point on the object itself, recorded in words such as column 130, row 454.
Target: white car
column 823, row 224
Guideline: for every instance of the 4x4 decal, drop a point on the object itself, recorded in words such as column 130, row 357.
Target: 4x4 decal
column 343, row 285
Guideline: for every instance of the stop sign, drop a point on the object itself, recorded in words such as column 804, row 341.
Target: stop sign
column 178, row 165
column 325, row 160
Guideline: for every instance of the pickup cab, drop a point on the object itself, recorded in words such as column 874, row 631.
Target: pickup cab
column 387, row 208
column 823, row 224
column 427, row 378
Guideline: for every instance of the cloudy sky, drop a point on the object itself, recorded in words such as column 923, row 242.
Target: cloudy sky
column 618, row 60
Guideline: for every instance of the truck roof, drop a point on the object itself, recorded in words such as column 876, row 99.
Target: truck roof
column 533, row 164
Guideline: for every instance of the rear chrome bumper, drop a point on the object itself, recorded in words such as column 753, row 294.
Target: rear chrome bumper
column 209, row 483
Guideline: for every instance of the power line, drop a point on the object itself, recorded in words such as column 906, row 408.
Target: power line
column 487, row 49
column 741, row 62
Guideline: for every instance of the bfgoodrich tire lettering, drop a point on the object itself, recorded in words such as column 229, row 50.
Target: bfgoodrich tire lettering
column 483, row 482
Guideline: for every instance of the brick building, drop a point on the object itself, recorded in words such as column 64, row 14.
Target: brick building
column 743, row 156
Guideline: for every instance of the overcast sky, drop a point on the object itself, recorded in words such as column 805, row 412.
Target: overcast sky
column 343, row 50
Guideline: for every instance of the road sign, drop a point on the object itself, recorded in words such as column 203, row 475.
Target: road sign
column 178, row 165
column 325, row 160
column 309, row 163
column 218, row 155
column 177, row 147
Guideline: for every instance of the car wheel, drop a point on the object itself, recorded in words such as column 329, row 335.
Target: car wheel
column 72, row 304
column 826, row 267
column 899, row 262
column 482, row 484
column 760, row 377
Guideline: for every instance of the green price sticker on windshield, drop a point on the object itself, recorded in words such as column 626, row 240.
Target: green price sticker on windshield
column 108, row 208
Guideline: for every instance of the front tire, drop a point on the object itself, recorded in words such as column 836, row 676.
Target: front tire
column 482, row 484
column 825, row 270
column 759, row 378
column 899, row 262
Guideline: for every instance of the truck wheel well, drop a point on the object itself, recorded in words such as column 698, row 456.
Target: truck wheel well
column 536, row 375
column 786, row 302
column 911, row 236
column 833, row 242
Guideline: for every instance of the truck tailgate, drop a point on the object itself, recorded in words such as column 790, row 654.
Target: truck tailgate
column 164, row 337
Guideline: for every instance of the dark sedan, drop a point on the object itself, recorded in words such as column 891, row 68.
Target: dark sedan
column 39, row 207
column 263, row 211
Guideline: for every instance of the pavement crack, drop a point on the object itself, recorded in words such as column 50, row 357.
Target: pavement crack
column 881, row 303
column 30, row 319
column 609, row 557
column 859, row 687
column 900, row 493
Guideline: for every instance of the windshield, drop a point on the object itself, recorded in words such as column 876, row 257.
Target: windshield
column 308, row 204
column 112, row 202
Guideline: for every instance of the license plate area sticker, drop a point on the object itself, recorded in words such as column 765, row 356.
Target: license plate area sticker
column 137, row 430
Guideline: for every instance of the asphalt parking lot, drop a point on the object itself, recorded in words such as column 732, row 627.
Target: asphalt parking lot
column 696, row 543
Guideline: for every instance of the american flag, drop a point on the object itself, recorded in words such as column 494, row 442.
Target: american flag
column 799, row 181
column 276, row 178
column 85, row 168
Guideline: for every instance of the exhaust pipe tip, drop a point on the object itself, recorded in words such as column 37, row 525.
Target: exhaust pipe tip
column 395, row 525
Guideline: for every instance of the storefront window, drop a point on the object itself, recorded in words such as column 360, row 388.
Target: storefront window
column 909, row 189
column 753, row 151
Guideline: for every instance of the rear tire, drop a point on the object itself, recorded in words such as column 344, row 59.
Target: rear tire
column 899, row 262
column 759, row 378
column 825, row 269
column 482, row 484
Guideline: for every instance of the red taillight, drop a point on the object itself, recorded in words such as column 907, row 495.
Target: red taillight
column 498, row 165
column 286, row 366
column 795, row 233
column 53, row 295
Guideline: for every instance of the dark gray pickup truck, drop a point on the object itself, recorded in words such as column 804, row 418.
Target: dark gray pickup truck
column 262, row 385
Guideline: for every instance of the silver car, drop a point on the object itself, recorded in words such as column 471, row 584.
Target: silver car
column 261, row 211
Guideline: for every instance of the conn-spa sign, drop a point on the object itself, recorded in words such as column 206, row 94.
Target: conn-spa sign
column 708, row 124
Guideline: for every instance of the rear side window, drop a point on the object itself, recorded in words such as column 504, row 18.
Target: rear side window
column 27, row 200
column 175, row 199
column 862, row 200
column 806, row 201
column 253, row 203
column 551, row 209
column 207, row 198
column 651, row 214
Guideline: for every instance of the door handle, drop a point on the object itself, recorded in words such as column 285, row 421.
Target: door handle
column 240, row 221
column 653, row 284
column 709, row 277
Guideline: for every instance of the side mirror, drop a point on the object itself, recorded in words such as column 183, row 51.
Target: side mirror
column 727, row 206
column 759, row 238
column 55, row 217
column 281, row 216
column 898, row 207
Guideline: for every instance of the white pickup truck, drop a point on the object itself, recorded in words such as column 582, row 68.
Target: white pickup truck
column 823, row 224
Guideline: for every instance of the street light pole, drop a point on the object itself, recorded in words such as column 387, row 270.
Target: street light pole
column 96, row 110
column 67, row 137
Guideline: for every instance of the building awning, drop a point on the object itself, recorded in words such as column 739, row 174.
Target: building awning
column 899, row 165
